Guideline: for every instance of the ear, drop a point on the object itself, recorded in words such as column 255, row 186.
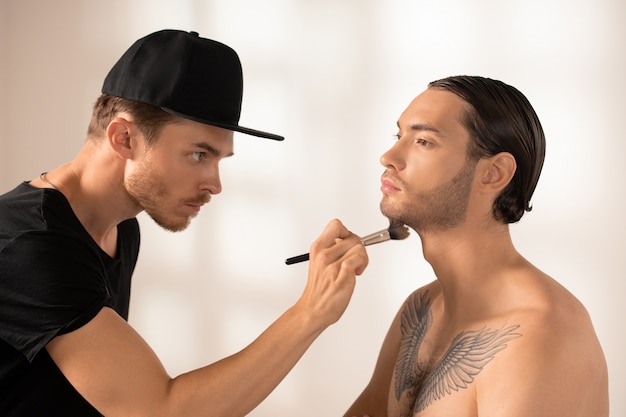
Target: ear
column 497, row 171
column 119, row 135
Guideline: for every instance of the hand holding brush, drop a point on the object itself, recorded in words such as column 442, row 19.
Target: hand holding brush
column 395, row 231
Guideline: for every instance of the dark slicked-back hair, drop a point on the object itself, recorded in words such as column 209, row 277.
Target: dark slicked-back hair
column 501, row 119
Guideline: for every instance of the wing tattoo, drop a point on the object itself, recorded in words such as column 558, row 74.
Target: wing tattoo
column 468, row 354
column 415, row 321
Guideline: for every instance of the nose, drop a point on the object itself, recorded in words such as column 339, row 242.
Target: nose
column 392, row 158
column 212, row 182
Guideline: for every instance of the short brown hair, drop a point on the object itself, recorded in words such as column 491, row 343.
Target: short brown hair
column 149, row 119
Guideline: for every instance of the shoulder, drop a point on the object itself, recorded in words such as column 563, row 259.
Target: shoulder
column 553, row 313
column 28, row 208
column 556, row 363
column 21, row 208
column 554, row 324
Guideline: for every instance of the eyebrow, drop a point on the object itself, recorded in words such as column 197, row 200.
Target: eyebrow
column 423, row 127
column 212, row 150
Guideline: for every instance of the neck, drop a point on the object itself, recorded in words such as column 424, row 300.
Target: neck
column 93, row 185
column 470, row 263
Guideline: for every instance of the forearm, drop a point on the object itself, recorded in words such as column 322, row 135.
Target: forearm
column 237, row 384
column 110, row 365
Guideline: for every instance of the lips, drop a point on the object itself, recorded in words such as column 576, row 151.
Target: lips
column 388, row 185
column 194, row 208
column 195, row 205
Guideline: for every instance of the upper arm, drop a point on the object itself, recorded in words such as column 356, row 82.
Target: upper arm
column 112, row 367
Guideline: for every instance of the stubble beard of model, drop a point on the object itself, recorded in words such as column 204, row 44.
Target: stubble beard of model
column 439, row 209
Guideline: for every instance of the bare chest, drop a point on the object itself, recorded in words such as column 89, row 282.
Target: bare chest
column 434, row 372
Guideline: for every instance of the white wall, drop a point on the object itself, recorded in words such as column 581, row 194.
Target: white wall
column 333, row 76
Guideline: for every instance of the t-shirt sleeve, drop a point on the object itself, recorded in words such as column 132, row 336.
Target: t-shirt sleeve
column 50, row 284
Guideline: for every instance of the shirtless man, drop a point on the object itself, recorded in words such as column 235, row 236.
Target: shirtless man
column 492, row 336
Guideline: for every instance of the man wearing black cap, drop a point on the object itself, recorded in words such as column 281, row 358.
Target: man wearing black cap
column 69, row 242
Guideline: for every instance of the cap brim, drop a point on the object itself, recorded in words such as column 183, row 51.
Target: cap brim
column 236, row 128
column 254, row 132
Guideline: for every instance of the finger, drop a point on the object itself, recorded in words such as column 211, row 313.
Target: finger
column 334, row 230
column 337, row 251
column 355, row 260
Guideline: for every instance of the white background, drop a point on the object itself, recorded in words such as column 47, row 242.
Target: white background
column 333, row 77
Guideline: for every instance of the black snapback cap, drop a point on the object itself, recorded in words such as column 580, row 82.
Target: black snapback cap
column 192, row 77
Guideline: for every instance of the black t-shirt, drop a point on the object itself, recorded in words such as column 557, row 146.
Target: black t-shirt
column 54, row 279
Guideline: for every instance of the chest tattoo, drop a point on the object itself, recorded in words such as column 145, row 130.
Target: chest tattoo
column 467, row 355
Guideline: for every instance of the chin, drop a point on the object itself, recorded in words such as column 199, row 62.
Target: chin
column 170, row 225
column 390, row 211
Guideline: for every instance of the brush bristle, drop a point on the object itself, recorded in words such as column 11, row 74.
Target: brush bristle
column 398, row 231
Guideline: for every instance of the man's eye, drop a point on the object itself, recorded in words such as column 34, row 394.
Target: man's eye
column 198, row 156
column 423, row 142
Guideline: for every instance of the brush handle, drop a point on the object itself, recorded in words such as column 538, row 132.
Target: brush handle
column 297, row 259
column 381, row 236
column 377, row 237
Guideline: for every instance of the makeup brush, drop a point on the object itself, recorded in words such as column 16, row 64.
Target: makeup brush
column 395, row 231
